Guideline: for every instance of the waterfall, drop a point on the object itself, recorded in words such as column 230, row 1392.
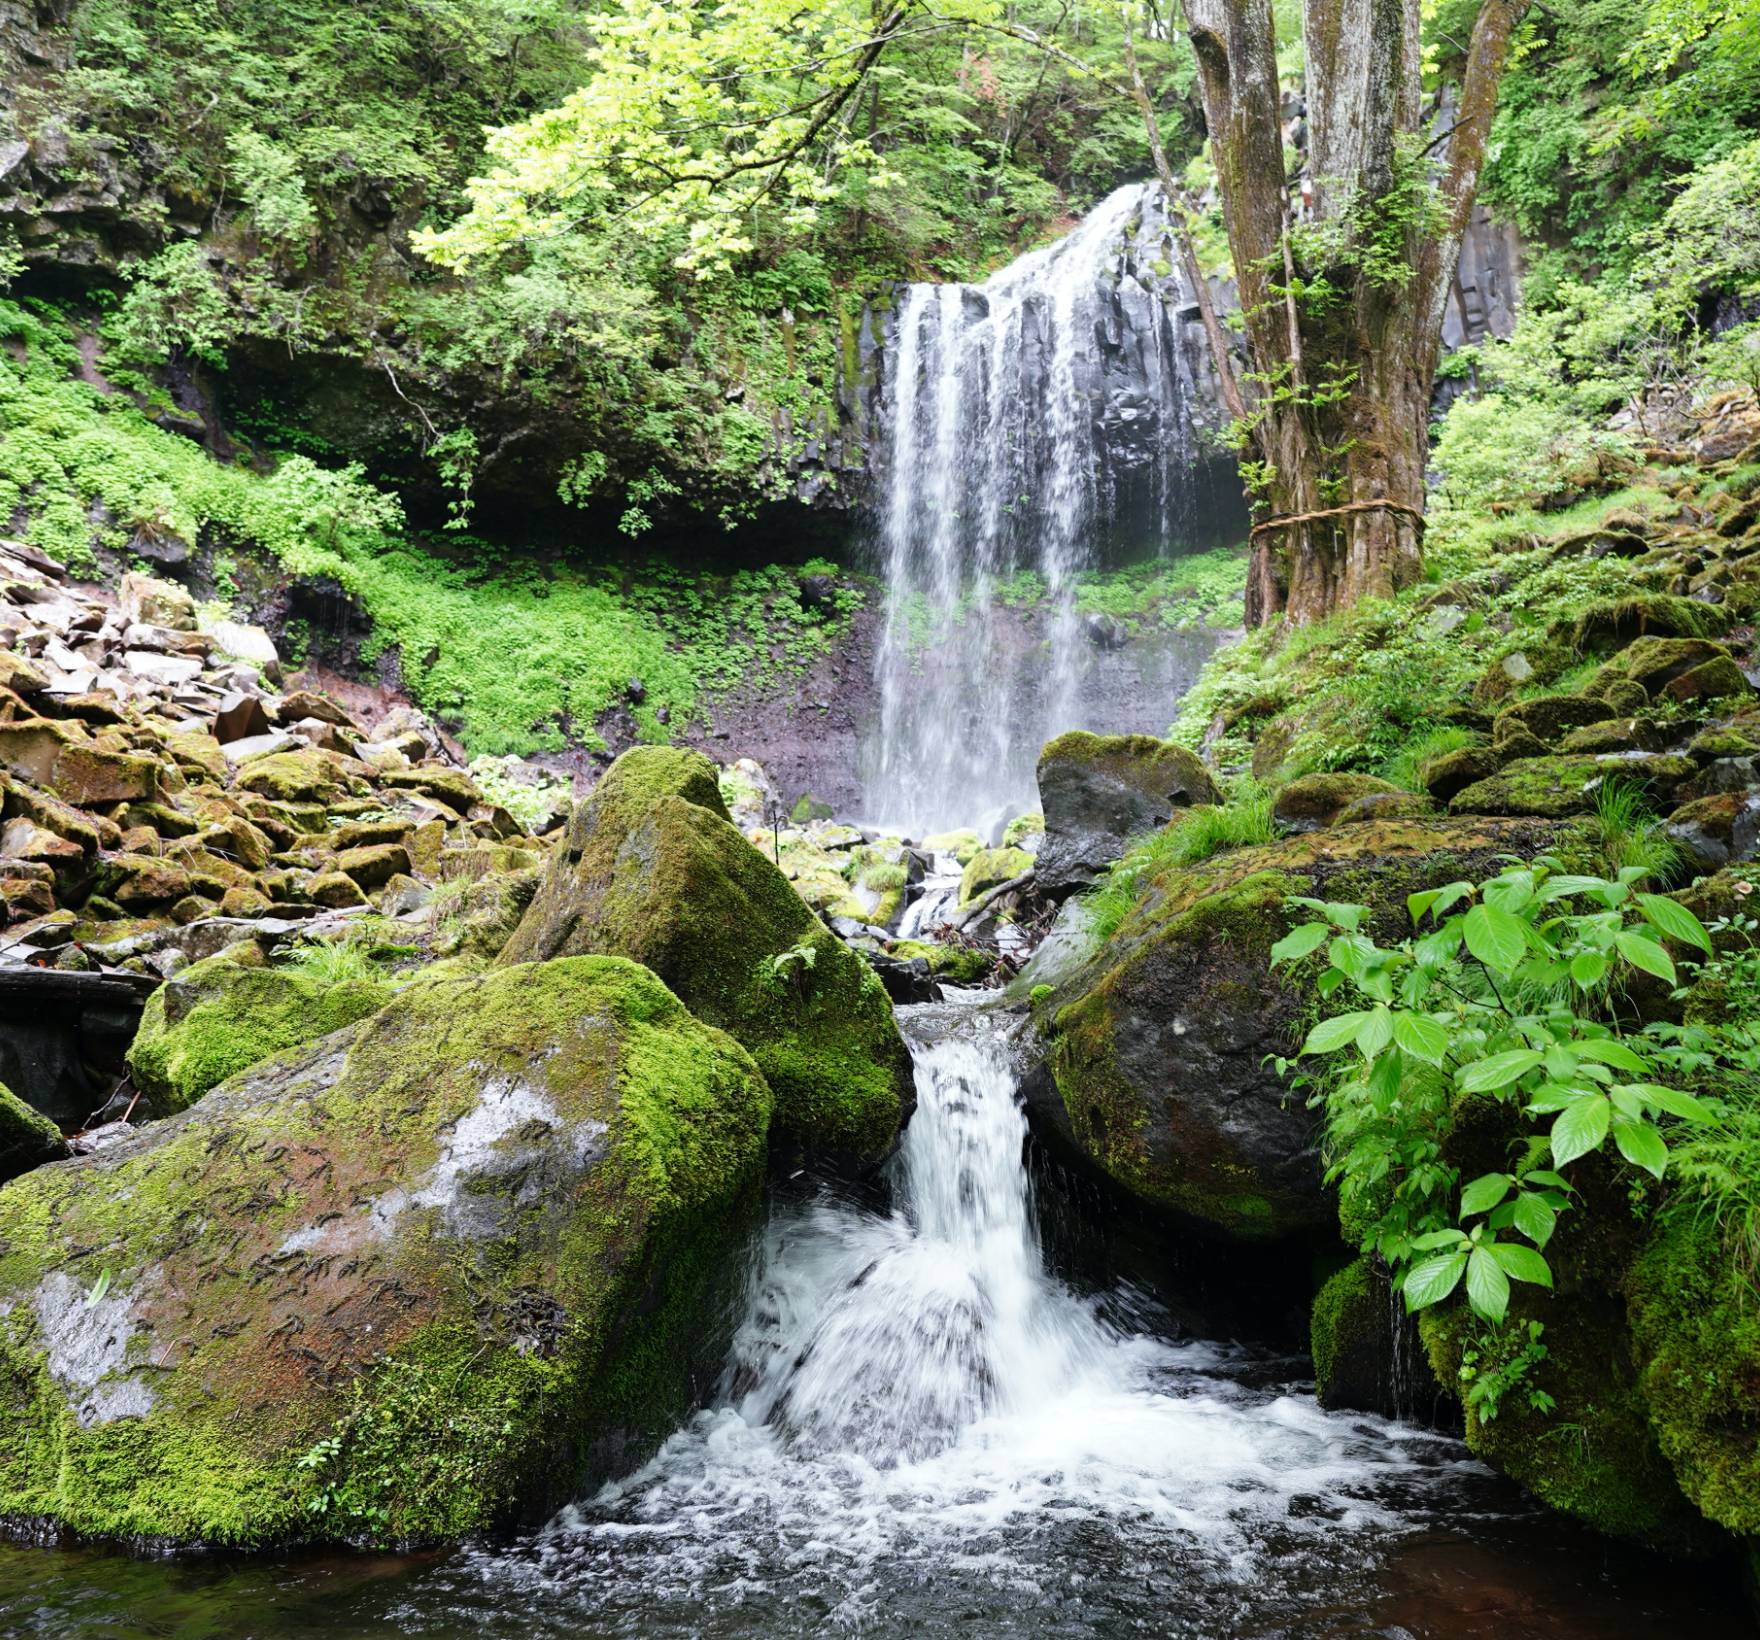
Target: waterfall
column 1027, row 423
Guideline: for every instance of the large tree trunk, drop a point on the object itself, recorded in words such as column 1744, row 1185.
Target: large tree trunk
column 1342, row 388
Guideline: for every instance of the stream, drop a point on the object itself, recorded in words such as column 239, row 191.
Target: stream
column 925, row 1428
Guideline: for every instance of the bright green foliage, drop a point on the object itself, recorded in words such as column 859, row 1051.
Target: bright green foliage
column 1507, row 996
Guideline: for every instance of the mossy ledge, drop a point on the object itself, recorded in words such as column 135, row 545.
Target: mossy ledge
column 401, row 1287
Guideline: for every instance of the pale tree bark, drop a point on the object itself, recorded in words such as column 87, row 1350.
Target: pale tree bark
column 1340, row 425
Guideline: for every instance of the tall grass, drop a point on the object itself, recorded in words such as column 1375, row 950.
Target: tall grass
column 1404, row 767
column 331, row 962
column 1629, row 834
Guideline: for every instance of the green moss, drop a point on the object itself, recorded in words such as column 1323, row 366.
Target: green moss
column 1696, row 1326
column 1349, row 1309
column 989, row 867
column 27, row 1136
column 648, row 873
column 362, row 1349
column 221, row 1015
column 290, row 777
column 957, row 964
column 1022, row 829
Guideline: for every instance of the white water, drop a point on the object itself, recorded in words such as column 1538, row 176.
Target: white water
column 1022, row 418
column 913, row 1395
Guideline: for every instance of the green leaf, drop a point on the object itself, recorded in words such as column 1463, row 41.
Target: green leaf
column 1522, row 1263
column 1332, row 1034
column 1417, row 904
column 1487, row 1286
column 1497, row 1070
column 1299, row 942
column 1588, row 969
column 1438, row 1238
column 1495, row 937
column 1557, row 888
column 1534, row 1218
column 1421, row 1037
column 1376, row 1033
column 1672, row 1102
column 1674, row 919
column 1484, row 1193
column 1641, row 1145
column 1642, row 952
column 1609, row 1052
column 1433, row 1280
column 99, row 1288
column 1580, row 1129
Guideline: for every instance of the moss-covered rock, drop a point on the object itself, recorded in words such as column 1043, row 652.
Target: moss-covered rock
column 1552, row 787
column 1157, row 1043
column 1615, row 621
column 1696, row 1326
column 27, row 1137
column 399, row 1288
column 653, row 870
column 1654, row 663
column 290, row 777
column 1315, row 801
column 1548, row 717
column 1097, row 792
column 990, row 867
column 224, row 1014
column 1716, row 831
column 1454, row 771
column 962, row 845
column 1716, row 679
column 1352, row 1335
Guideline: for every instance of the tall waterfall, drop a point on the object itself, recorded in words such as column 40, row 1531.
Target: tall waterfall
column 1026, row 423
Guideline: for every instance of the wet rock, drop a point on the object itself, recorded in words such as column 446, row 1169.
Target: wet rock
column 478, row 1243
column 1548, row 717
column 1156, row 1070
column 1097, row 792
column 1454, row 771
column 989, row 868
column 240, row 717
column 1719, row 830
column 148, row 601
column 906, row 980
column 652, row 869
column 1561, row 785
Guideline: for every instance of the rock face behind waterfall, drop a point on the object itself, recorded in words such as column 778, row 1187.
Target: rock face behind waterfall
column 653, row 870
column 1156, row 1071
column 1099, row 791
column 394, row 1287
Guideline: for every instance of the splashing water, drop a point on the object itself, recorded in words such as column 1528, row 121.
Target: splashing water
column 1023, row 420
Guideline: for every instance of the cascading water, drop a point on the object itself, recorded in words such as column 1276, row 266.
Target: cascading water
column 1025, row 421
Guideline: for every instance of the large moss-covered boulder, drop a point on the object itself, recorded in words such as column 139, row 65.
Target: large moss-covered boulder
column 1315, row 801
column 653, row 870
column 27, row 1137
column 1157, row 1042
column 1696, row 1331
column 990, row 868
column 1097, row 792
column 1556, row 786
column 397, row 1288
column 227, row 1012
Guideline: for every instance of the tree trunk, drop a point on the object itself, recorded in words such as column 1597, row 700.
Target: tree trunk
column 1343, row 382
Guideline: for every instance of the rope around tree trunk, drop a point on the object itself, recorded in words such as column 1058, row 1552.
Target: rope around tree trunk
column 1284, row 520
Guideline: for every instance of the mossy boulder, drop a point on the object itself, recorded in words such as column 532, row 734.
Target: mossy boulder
column 1156, row 1068
column 1548, row 717
column 1097, row 792
column 989, row 868
column 653, row 870
column 1315, row 801
column 414, row 1282
column 1716, row 679
column 962, row 845
column 1355, row 1341
column 1696, row 1329
column 1716, row 831
column 1654, row 663
column 1552, row 787
column 222, row 1015
column 27, row 1137
column 1454, row 771
column 290, row 777
column 1614, row 622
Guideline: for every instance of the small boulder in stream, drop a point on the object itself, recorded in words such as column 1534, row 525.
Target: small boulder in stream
column 1097, row 792
column 424, row 1277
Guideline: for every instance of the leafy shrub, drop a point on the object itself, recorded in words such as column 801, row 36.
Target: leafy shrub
column 1506, row 996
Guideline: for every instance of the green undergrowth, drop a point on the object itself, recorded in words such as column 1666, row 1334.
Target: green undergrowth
column 518, row 652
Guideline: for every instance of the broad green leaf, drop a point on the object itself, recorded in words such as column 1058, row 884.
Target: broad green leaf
column 1642, row 952
column 1495, row 937
column 1554, row 1096
column 1552, row 1181
column 1417, row 904
column 1522, row 1263
column 1422, row 1038
column 1510, row 892
column 1376, row 1033
column 1484, row 1193
column 1641, row 1145
column 1609, row 1052
column 1437, row 1238
column 1433, row 1280
column 1498, row 1070
column 1332, row 1034
column 1674, row 919
column 1558, row 888
column 1534, row 1218
column 1487, row 1285
column 1588, row 969
column 1299, row 943
column 99, row 1288
column 1672, row 1102
column 1580, row 1129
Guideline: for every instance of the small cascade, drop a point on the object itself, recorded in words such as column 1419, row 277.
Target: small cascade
column 1029, row 423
